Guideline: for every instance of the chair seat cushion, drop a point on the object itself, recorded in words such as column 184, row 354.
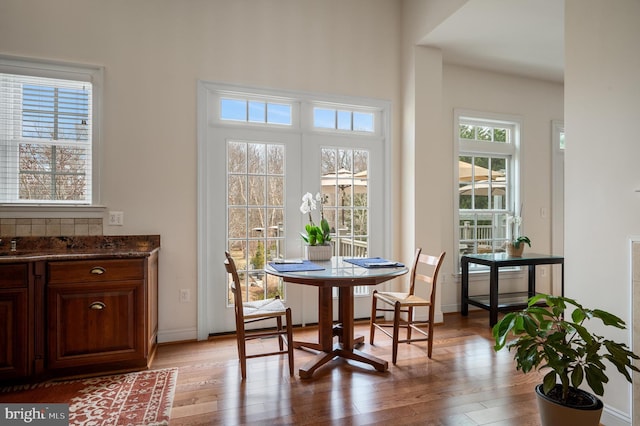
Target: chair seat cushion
column 261, row 308
column 405, row 299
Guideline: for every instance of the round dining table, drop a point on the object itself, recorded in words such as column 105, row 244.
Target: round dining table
column 344, row 276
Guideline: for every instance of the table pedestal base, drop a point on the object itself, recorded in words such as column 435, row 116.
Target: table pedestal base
column 323, row 357
column 345, row 348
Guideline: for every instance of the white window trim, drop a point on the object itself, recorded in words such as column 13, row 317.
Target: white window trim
column 73, row 71
column 515, row 150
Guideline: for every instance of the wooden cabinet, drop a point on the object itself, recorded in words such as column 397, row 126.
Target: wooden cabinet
column 15, row 283
column 102, row 314
column 72, row 306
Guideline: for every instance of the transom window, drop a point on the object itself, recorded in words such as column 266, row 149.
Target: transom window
column 46, row 134
column 251, row 111
column 338, row 119
column 480, row 132
column 487, row 182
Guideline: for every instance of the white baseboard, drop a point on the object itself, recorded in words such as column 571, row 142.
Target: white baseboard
column 438, row 317
column 613, row 417
column 447, row 309
column 451, row 308
column 166, row 336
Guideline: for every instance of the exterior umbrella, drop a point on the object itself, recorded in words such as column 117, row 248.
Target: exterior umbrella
column 468, row 172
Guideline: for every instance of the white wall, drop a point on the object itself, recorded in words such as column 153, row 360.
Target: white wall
column 154, row 51
column 602, row 108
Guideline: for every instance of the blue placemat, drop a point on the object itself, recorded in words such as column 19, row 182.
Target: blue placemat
column 296, row 267
column 373, row 262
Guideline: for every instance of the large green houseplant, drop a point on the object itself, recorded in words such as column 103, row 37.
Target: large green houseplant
column 547, row 340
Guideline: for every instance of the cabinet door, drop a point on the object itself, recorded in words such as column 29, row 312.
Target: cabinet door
column 14, row 321
column 96, row 323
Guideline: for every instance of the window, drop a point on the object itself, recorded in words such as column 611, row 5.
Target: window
column 337, row 119
column 249, row 111
column 487, row 181
column 47, row 133
column 345, row 185
column 255, row 214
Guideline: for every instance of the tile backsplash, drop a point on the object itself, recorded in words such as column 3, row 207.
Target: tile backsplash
column 53, row 227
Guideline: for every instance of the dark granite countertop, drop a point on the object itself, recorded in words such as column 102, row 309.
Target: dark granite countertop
column 85, row 247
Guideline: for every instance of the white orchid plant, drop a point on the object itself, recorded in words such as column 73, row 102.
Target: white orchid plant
column 315, row 235
column 515, row 221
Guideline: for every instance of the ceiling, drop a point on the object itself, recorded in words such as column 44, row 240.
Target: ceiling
column 522, row 37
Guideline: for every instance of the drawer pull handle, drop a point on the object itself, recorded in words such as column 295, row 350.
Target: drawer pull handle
column 97, row 306
column 98, row 270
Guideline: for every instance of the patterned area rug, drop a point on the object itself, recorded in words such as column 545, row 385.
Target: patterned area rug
column 141, row 398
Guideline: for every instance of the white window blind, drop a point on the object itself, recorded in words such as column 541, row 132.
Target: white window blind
column 45, row 140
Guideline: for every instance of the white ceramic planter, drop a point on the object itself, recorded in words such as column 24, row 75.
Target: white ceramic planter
column 323, row 252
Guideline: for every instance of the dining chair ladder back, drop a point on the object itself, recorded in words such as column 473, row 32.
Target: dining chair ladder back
column 260, row 310
column 403, row 305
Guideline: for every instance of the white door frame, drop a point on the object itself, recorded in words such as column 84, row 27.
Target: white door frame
column 557, row 201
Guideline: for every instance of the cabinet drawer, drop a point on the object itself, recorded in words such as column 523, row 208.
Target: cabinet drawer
column 96, row 270
column 14, row 275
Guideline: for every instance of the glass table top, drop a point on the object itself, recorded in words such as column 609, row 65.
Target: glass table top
column 337, row 268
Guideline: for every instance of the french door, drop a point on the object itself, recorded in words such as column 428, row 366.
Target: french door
column 251, row 182
column 252, row 212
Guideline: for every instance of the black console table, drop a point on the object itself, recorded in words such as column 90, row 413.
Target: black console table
column 495, row 301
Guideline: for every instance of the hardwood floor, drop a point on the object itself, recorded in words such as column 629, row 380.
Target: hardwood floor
column 465, row 383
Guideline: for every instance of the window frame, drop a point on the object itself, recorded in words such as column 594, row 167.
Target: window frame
column 66, row 71
column 512, row 152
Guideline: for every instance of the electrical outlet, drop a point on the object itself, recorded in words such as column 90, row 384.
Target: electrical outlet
column 543, row 271
column 116, row 218
column 185, row 295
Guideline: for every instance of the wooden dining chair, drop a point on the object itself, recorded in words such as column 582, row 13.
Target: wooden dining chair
column 260, row 310
column 404, row 304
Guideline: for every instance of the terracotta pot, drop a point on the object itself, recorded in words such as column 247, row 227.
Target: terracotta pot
column 318, row 252
column 513, row 251
column 554, row 414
